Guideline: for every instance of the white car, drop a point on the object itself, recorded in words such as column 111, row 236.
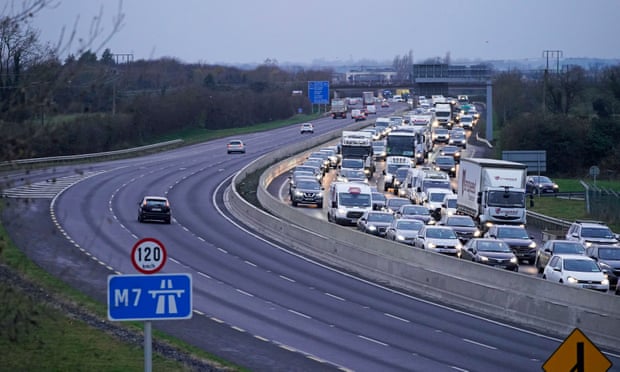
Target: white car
column 439, row 239
column 576, row 270
column 307, row 128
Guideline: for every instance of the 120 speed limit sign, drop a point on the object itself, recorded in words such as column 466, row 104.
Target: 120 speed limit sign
column 148, row 256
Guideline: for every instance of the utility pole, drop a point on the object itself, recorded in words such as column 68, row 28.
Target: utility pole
column 119, row 58
column 557, row 54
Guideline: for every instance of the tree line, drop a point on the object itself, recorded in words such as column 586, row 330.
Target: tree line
column 573, row 114
column 90, row 103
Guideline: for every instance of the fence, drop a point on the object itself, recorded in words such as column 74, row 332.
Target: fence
column 602, row 203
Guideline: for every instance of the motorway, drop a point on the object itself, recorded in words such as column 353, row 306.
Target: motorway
column 256, row 302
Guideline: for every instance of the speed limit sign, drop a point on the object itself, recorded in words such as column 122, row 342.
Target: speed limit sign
column 148, row 256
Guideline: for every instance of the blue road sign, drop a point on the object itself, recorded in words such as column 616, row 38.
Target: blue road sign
column 318, row 92
column 150, row 297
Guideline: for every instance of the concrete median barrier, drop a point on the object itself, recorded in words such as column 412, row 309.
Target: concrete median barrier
column 511, row 297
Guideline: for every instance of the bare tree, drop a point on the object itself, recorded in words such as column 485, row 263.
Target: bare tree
column 403, row 66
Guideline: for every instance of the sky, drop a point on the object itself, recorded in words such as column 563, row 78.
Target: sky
column 341, row 31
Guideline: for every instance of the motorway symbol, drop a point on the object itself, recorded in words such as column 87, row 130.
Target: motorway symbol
column 577, row 354
column 149, row 297
column 148, row 256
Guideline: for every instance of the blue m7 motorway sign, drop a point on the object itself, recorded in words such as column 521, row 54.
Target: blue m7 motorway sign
column 149, row 297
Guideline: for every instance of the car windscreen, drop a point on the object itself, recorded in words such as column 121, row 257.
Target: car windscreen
column 585, row 266
column 609, row 253
column 354, row 200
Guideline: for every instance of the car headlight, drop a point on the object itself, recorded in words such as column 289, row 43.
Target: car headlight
column 588, row 244
column 372, row 227
column 431, row 245
column 299, row 193
column 514, row 260
column 400, row 237
column 532, row 245
column 319, row 194
column 605, row 281
column 453, row 169
column 572, row 280
column 458, row 246
column 342, row 211
column 477, row 234
column 484, row 259
column 431, row 221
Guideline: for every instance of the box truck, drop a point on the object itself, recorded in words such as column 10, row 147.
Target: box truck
column 339, row 108
column 492, row 191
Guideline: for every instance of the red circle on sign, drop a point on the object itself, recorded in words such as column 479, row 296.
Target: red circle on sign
column 148, row 255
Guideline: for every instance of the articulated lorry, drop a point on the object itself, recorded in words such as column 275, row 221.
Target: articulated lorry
column 492, row 191
column 339, row 108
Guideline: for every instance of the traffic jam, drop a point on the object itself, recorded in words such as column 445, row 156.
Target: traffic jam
column 411, row 178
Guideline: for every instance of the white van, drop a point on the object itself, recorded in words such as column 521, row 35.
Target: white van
column 347, row 202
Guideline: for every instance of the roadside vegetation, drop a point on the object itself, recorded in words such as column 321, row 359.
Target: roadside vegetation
column 93, row 101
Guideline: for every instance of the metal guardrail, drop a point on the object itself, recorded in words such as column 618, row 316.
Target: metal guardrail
column 53, row 159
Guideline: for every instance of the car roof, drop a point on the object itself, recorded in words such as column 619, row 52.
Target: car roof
column 574, row 256
column 155, row 197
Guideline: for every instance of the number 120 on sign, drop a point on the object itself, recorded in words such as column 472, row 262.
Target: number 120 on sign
column 148, row 256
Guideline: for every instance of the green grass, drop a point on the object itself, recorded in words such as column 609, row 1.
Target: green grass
column 42, row 337
column 572, row 209
column 195, row 135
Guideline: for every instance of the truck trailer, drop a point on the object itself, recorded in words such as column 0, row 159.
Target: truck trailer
column 492, row 191
column 339, row 108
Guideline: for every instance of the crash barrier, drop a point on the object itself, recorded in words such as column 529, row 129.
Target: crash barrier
column 515, row 298
column 97, row 155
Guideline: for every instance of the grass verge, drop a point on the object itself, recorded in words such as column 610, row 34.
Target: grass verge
column 44, row 328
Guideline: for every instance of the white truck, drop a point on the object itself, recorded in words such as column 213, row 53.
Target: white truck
column 443, row 113
column 347, row 202
column 492, row 191
column 368, row 98
column 358, row 145
column 339, row 108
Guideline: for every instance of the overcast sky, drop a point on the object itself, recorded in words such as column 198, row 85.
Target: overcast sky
column 250, row 31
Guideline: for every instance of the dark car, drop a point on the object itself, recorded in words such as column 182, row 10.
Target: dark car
column 540, row 185
column 464, row 226
column 453, row 151
column 490, row 252
column 306, row 191
column 556, row 246
column 375, row 222
column 523, row 245
column 446, row 164
column 154, row 208
column 414, row 211
column 608, row 258
column 394, row 204
column 399, row 179
column 378, row 201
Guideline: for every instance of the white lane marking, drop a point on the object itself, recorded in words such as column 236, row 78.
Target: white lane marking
column 287, row 279
column 479, row 344
column 396, row 317
column 244, row 293
column 372, row 340
column 334, row 296
column 300, row 314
